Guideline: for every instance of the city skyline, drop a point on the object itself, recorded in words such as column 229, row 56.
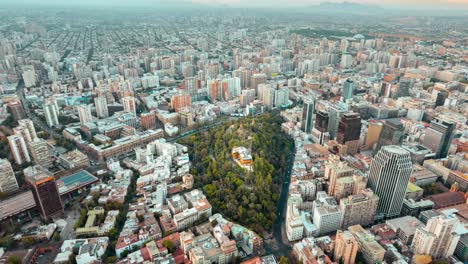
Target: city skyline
column 291, row 4
column 233, row 131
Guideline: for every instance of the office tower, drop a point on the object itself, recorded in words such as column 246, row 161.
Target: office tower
column 101, row 107
column 51, row 114
column 8, row 181
column 84, row 112
column 19, row 149
column 257, row 79
column 371, row 250
column 389, row 175
column 25, row 129
column 128, row 103
column 281, row 97
column 268, row 95
column 438, row 238
column 327, row 216
column 308, row 115
column 148, row 120
column 403, row 88
column 45, row 192
column 392, row 133
column 359, row 209
column 349, row 132
column 346, row 247
column 438, row 137
column 441, row 96
column 29, row 78
column 334, row 171
column 374, row 128
column 334, row 116
column 321, row 121
column 319, row 133
column 40, row 153
column 15, row 108
column 348, row 89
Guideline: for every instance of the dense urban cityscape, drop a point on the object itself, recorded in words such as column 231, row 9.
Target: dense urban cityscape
column 191, row 132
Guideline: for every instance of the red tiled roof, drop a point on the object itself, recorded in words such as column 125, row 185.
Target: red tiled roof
column 447, row 199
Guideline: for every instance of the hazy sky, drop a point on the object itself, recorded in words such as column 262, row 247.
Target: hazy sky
column 257, row 3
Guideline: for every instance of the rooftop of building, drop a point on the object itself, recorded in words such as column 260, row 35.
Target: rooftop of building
column 447, row 199
column 75, row 181
column 413, row 188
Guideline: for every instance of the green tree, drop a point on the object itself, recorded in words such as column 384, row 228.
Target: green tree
column 283, row 260
column 111, row 259
column 7, row 242
column 56, row 236
column 28, row 241
column 13, row 260
column 169, row 245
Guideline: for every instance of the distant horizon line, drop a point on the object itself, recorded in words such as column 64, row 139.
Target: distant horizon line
column 167, row 4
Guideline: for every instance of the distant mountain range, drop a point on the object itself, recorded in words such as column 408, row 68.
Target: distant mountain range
column 348, row 7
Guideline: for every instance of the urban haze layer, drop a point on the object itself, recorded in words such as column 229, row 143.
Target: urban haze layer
column 193, row 133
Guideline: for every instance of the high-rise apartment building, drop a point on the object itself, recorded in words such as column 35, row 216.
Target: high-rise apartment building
column 26, row 129
column 349, row 132
column 327, row 216
column 180, row 101
column 334, row 171
column 19, row 149
column 346, row 247
column 281, row 97
column 51, row 114
column 268, row 95
column 129, row 105
column 308, row 115
column 256, row 80
column 359, row 209
column 294, row 224
column 29, row 77
column 45, row 192
column 244, row 75
column 101, row 107
column 438, row 137
column 438, row 238
column 349, row 185
column 8, row 181
column 15, row 108
column 371, row 250
column 148, row 120
column 84, row 112
column 40, row 153
column 389, row 175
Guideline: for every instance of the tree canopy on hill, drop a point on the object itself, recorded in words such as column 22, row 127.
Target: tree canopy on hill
column 249, row 198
